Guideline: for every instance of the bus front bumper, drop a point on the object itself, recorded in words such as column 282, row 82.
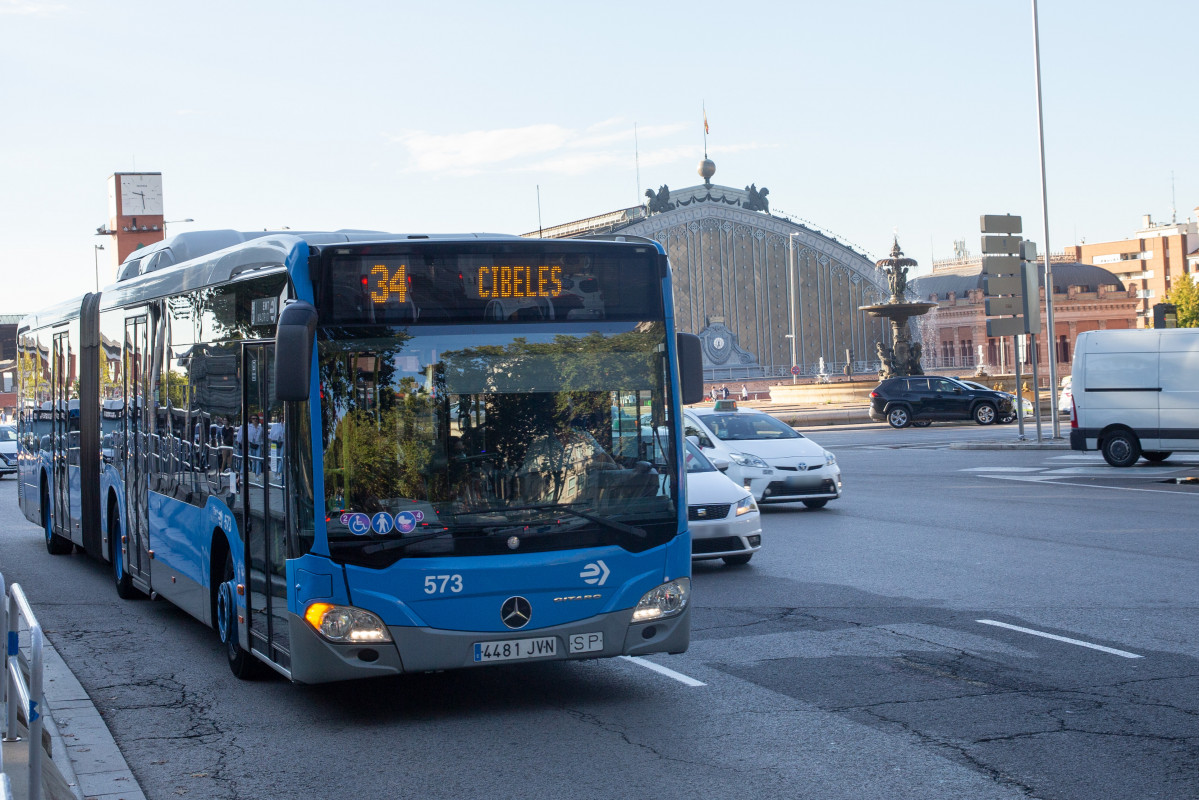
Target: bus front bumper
column 314, row 660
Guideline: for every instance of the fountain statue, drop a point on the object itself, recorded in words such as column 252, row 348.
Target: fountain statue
column 902, row 357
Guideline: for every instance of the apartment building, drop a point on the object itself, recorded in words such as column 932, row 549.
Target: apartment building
column 1147, row 262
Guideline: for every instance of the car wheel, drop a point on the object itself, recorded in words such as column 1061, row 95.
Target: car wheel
column 814, row 504
column 1157, row 456
column 921, row 423
column 984, row 414
column 736, row 561
column 899, row 417
column 1121, row 448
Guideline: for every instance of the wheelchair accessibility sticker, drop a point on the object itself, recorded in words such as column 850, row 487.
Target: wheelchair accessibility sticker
column 359, row 524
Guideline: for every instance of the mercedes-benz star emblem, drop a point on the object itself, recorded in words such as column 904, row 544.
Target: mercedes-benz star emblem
column 516, row 612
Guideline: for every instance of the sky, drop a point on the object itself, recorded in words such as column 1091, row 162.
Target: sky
column 868, row 119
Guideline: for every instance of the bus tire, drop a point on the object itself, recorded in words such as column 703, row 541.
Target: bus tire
column 122, row 579
column 241, row 663
column 55, row 545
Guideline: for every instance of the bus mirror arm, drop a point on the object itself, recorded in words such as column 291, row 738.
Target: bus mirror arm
column 293, row 350
column 691, row 368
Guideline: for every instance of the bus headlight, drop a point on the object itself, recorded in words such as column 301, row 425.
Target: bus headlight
column 346, row 624
column 663, row 601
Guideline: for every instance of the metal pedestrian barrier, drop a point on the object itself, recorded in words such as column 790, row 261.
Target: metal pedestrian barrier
column 19, row 695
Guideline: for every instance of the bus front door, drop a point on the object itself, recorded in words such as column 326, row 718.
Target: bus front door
column 264, row 525
column 135, row 545
column 60, row 435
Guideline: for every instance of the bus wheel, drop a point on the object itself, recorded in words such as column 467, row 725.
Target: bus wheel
column 122, row 579
column 241, row 663
column 56, row 545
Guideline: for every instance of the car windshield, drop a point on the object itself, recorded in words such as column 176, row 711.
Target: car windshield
column 694, row 460
column 437, row 438
column 8, row 434
column 738, row 426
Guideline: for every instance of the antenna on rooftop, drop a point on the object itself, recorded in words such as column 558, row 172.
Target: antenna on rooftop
column 1173, row 201
column 539, row 231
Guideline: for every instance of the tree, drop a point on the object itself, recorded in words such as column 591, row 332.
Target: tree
column 1185, row 297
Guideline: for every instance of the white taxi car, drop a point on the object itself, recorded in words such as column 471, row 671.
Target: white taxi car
column 723, row 517
column 772, row 460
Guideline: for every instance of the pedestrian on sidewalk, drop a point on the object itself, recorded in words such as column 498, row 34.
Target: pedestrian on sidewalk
column 744, row 392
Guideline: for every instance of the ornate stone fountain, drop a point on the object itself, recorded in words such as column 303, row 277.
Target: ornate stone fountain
column 902, row 358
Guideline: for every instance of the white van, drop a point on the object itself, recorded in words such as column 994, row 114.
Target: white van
column 1136, row 393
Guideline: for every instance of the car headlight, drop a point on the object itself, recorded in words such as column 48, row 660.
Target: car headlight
column 663, row 601
column 830, row 460
column 746, row 506
column 346, row 624
column 748, row 460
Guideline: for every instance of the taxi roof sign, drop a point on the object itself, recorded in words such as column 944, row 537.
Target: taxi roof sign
column 725, row 405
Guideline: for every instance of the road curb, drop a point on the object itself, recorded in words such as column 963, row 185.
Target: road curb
column 1032, row 444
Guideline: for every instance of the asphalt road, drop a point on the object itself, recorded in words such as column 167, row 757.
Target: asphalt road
column 849, row 659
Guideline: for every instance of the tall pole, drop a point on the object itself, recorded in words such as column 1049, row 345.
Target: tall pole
column 791, row 299
column 96, row 253
column 1052, row 337
column 637, row 162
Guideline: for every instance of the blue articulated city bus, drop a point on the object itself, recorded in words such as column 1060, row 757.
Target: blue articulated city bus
column 359, row 454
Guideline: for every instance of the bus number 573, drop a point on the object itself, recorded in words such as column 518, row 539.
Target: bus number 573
column 436, row 584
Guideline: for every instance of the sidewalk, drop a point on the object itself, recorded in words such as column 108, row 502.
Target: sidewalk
column 84, row 762
column 858, row 414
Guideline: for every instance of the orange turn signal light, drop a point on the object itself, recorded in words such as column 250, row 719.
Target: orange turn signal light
column 316, row 614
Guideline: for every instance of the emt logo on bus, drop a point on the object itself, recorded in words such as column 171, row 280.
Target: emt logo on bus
column 515, row 280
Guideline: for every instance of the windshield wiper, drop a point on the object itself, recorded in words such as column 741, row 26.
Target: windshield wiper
column 604, row 522
column 372, row 547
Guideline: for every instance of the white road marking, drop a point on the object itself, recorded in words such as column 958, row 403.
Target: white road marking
column 1110, row 472
column 670, row 673
column 1049, row 480
column 1003, row 469
column 1112, row 650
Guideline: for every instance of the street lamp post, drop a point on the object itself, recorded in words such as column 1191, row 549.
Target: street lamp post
column 1052, row 333
column 791, row 300
column 167, row 222
column 96, row 253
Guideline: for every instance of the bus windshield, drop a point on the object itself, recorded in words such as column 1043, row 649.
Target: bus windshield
column 444, row 440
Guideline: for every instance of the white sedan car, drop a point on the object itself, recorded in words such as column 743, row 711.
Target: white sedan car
column 772, row 460
column 8, row 450
column 723, row 517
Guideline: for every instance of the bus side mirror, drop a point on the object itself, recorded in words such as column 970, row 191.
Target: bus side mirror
column 691, row 368
column 293, row 350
